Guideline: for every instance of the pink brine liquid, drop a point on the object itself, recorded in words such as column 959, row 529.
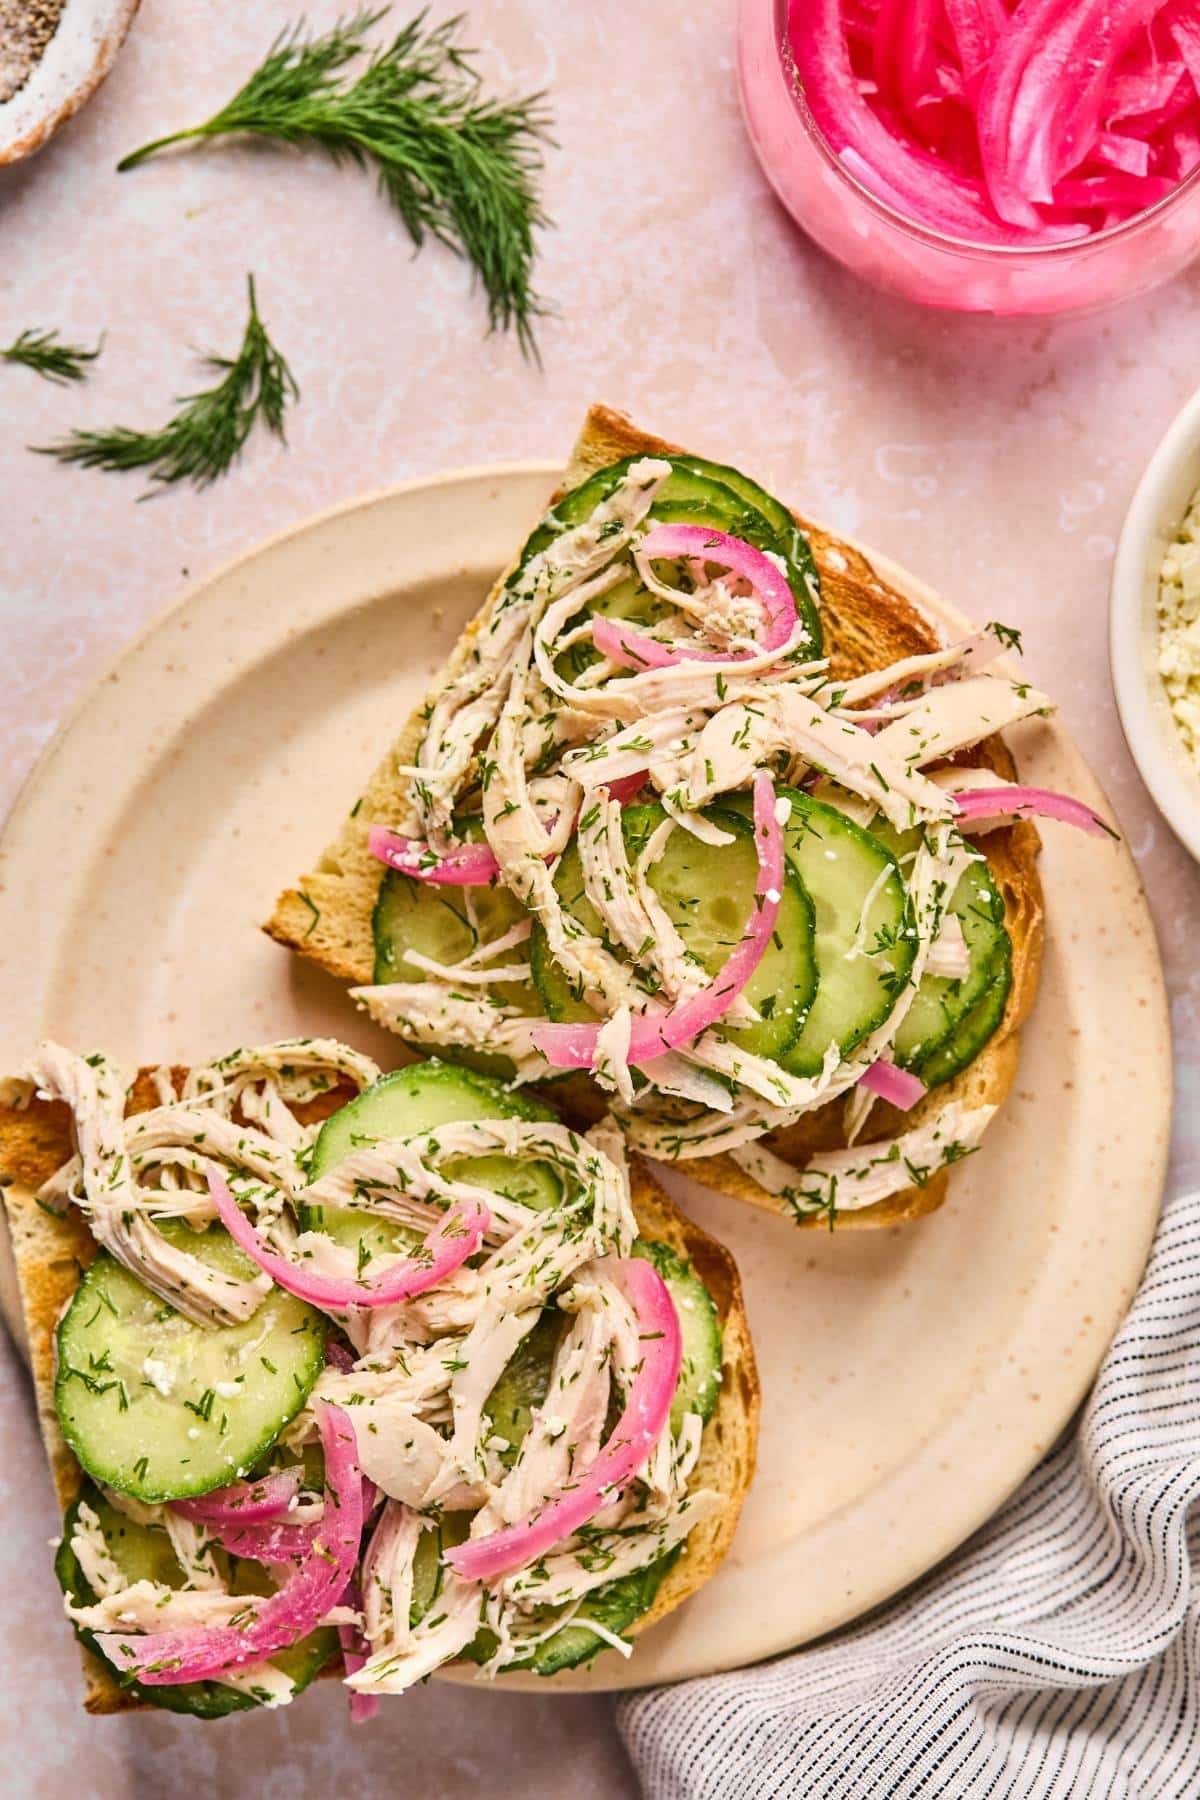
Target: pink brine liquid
column 852, row 220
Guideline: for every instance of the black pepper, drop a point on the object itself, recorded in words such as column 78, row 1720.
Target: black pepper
column 26, row 28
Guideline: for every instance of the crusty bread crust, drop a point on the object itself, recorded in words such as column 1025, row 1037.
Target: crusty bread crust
column 51, row 1251
column 730, row 1441
column 866, row 624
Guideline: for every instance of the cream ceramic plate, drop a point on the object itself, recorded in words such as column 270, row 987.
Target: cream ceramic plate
column 910, row 1377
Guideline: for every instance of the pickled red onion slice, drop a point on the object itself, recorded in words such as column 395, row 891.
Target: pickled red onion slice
column 996, row 123
column 975, row 25
column 996, row 804
column 633, row 649
column 1129, row 154
column 168, row 1658
column 1058, row 112
column 467, row 865
column 274, row 1541
column 646, row 1412
column 768, row 581
column 457, row 1235
column 1184, row 27
column 624, row 790
column 653, row 1033
column 355, row 1651
column 924, row 185
column 895, row 1085
column 244, row 1502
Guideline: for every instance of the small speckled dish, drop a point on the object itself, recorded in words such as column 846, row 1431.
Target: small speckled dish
column 1155, row 514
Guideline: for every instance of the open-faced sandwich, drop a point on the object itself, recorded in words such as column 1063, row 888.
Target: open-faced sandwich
column 703, row 823
column 358, row 1373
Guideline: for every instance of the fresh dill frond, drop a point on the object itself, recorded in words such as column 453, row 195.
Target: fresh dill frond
column 456, row 166
column 206, row 435
column 45, row 353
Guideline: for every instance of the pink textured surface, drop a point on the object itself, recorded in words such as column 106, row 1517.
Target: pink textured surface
column 996, row 460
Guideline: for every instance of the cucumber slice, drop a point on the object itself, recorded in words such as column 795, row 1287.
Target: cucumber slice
column 144, row 1552
column 974, row 1029
column 443, row 924
column 616, row 1606
column 526, row 1379
column 939, row 1004
column 558, row 996
column 524, row 1384
column 161, row 1408
column 788, row 539
column 428, row 1568
column 845, row 871
column 708, row 892
column 631, row 601
column 739, row 506
column 435, row 922
column 364, row 1233
column 420, row 1099
column 536, row 1185
column 686, row 486
column 700, row 1371
column 415, row 915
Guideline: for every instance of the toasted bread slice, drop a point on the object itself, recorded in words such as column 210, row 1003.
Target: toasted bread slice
column 50, row 1252
column 867, row 624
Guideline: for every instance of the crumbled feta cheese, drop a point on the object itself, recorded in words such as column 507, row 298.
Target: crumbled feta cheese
column 159, row 1375
column 1179, row 628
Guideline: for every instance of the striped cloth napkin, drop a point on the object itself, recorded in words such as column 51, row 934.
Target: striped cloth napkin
column 1058, row 1653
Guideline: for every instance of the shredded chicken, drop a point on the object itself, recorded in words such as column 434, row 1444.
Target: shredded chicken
column 845, row 1180
column 537, row 727
column 537, row 738
column 534, row 728
column 424, row 1370
column 949, row 955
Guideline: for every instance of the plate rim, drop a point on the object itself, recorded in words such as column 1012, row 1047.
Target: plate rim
column 1159, row 1064
column 229, row 565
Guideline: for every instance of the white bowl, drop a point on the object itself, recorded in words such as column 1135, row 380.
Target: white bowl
column 1155, row 514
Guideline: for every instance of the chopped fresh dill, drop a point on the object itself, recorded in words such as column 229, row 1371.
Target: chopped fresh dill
column 457, row 166
column 45, row 353
column 206, row 434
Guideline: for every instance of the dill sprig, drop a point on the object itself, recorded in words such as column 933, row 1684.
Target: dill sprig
column 207, row 433
column 45, row 353
column 457, row 166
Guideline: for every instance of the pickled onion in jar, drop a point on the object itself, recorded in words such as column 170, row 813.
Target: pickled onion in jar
column 1000, row 124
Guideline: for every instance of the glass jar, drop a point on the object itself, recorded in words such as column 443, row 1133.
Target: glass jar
column 904, row 257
